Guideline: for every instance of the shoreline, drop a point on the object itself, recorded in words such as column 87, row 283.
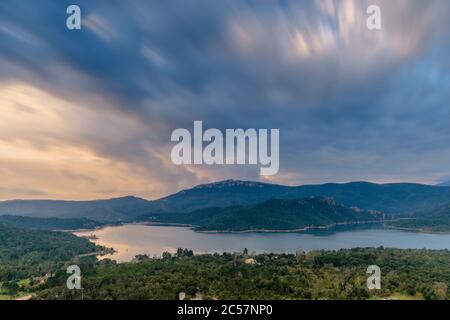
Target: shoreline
column 416, row 230
column 299, row 230
column 142, row 223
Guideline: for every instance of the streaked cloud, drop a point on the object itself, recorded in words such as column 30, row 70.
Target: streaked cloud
column 88, row 114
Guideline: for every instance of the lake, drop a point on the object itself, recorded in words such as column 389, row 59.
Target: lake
column 131, row 240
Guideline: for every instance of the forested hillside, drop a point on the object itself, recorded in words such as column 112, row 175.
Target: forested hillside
column 435, row 220
column 26, row 253
column 49, row 223
column 272, row 215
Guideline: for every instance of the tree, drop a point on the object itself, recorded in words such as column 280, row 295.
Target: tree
column 11, row 287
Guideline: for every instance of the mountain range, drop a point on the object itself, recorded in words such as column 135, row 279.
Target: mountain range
column 117, row 209
column 399, row 199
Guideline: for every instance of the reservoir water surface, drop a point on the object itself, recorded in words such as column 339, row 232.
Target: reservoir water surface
column 131, row 240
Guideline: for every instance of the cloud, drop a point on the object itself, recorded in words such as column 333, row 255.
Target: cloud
column 351, row 104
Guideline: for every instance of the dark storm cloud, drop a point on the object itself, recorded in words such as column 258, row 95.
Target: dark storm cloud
column 350, row 104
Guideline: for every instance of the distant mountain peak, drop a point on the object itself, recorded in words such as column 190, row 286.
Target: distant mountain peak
column 125, row 198
column 231, row 183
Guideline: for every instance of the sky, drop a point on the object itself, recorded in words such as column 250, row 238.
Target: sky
column 88, row 113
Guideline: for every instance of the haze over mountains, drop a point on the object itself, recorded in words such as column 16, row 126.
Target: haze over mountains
column 444, row 183
column 98, row 210
column 402, row 199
